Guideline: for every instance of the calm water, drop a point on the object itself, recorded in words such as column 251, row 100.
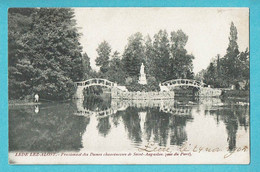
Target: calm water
column 102, row 124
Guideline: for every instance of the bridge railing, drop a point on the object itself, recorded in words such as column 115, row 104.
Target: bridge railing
column 94, row 81
column 188, row 82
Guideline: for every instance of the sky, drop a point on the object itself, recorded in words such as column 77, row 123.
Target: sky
column 207, row 28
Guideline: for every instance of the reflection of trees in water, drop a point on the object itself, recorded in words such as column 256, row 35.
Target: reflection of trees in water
column 103, row 126
column 164, row 125
column 100, row 103
column 232, row 117
column 96, row 103
column 116, row 118
column 131, row 121
column 52, row 129
column 178, row 132
column 157, row 124
column 160, row 126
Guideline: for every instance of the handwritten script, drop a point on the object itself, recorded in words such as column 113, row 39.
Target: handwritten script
column 152, row 147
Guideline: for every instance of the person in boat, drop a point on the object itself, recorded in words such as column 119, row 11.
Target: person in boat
column 36, row 97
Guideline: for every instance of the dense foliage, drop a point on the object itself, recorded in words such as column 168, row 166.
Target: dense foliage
column 45, row 57
column 232, row 69
column 133, row 55
column 44, row 53
column 102, row 60
column 164, row 59
column 133, row 85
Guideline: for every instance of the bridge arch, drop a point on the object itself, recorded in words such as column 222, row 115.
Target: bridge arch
column 80, row 86
column 98, row 114
column 95, row 82
column 183, row 82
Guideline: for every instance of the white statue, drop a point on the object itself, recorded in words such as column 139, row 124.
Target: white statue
column 142, row 69
column 142, row 77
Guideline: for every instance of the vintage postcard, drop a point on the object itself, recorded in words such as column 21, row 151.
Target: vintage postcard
column 128, row 85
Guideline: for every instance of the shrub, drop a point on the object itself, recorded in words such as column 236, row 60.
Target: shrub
column 133, row 85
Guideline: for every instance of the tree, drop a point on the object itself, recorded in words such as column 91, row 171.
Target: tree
column 232, row 69
column 133, row 55
column 48, row 56
column 116, row 71
column 161, row 55
column 19, row 23
column 200, row 75
column 243, row 65
column 116, row 55
column 149, row 57
column 210, row 75
column 230, row 60
column 213, row 75
column 103, row 50
column 86, row 66
column 180, row 62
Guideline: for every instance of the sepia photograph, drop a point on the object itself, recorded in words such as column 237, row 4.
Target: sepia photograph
column 157, row 85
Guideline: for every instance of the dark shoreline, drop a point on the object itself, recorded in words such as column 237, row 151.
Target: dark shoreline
column 31, row 102
column 228, row 94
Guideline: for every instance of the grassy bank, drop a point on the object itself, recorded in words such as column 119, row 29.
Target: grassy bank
column 19, row 101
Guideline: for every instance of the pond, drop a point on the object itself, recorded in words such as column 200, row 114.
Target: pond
column 103, row 124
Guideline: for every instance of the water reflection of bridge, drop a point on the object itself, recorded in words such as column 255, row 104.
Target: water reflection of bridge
column 166, row 106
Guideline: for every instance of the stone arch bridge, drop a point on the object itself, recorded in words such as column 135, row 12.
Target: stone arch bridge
column 183, row 82
column 202, row 90
column 95, row 82
column 165, row 86
column 166, row 106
